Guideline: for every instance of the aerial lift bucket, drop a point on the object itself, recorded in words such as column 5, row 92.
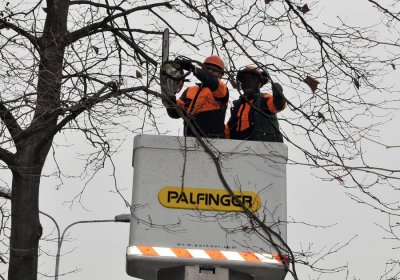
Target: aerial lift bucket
column 184, row 220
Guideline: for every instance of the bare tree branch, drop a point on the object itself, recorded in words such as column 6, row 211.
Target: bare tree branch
column 394, row 16
column 134, row 46
column 99, row 5
column 85, row 31
column 6, row 24
column 11, row 123
column 7, row 157
column 5, row 193
column 90, row 102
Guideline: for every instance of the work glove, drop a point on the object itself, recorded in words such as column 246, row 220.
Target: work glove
column 168, row 100
column 264, row 78
column 277, row 90
column 186, row 65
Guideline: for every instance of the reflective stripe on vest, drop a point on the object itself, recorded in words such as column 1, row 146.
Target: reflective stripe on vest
column 243, row 116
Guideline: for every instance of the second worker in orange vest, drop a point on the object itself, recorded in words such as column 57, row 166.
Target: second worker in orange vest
column 253, row 115
column 204, row 104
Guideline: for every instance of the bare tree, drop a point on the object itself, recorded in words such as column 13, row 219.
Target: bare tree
column 86, row 66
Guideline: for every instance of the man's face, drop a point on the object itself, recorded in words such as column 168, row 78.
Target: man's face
column 214, row 71
column 249, row 82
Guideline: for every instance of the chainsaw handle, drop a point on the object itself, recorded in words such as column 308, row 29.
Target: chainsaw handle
column 182, row 57
column 176, row 66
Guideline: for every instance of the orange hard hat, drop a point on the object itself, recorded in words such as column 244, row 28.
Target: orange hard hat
column 252, row 68
column 263, row 76
column 216, row 61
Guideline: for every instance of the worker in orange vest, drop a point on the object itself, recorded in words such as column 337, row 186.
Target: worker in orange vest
column 204, row 104
column 248, row 123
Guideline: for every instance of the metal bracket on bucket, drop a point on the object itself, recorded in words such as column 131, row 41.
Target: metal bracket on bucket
column 201, row 273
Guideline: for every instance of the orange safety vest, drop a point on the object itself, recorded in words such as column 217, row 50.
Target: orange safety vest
column 203, row 99
column 247, row 124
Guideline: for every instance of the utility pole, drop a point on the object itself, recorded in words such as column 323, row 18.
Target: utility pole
column 122, row 218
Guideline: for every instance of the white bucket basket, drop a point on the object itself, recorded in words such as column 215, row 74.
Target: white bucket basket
column 182, row 215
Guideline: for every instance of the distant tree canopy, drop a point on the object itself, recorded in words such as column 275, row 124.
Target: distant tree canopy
column 88, row 65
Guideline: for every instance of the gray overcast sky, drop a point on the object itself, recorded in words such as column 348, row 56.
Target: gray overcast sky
column 97, row 251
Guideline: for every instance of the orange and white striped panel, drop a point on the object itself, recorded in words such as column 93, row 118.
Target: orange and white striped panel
column 205, row 254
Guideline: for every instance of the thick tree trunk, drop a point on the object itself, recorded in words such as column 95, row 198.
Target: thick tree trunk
column 30, row 157
column 25, row 225
column 26, row 229
column 33, row 148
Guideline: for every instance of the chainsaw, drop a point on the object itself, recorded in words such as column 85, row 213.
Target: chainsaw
column 172, row 75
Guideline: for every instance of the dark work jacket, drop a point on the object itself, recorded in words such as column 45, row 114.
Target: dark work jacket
column 204, row 105
column 246, row 123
